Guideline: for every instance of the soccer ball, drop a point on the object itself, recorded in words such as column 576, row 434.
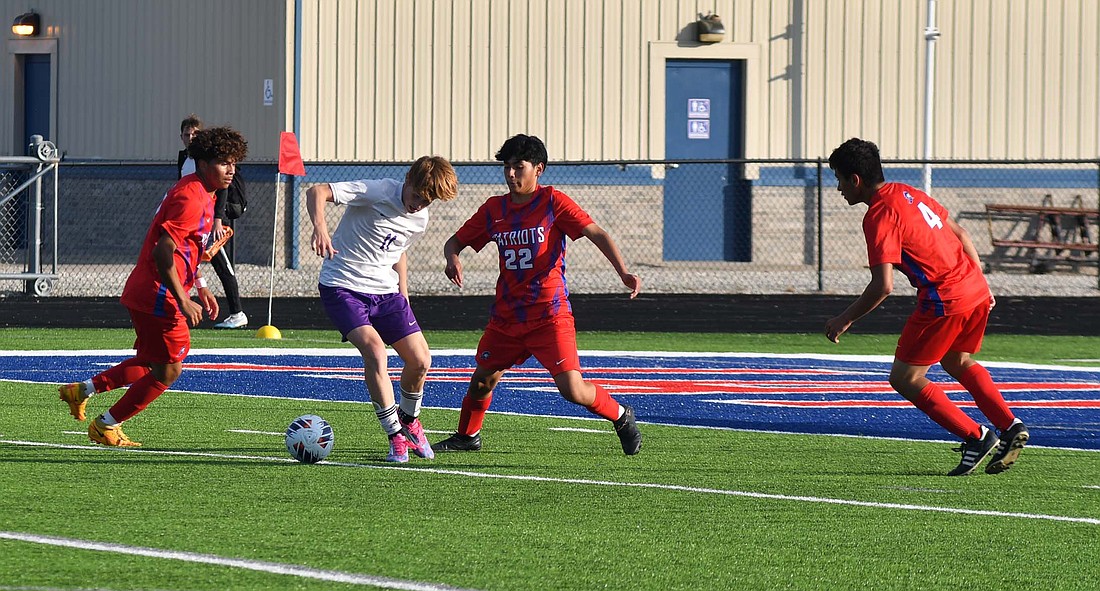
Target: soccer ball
column 309, row 439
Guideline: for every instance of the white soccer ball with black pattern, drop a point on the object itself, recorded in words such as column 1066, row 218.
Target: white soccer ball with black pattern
column 309, row 439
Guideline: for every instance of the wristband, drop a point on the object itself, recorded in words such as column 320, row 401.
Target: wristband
column 201, row 282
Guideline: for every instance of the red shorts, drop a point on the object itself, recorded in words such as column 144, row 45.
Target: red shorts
column 553, row 342
column 160, row 340
column 927, row 338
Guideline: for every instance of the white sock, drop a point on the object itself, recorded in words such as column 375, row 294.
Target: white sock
column 388, row 419
column 108, row 419
column 89, row 388
column 410, row 402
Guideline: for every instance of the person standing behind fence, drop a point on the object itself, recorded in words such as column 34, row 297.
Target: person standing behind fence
column 157, row 293
column 906, row 228
column 364, row 285
column 223, row 259
column 531, row 314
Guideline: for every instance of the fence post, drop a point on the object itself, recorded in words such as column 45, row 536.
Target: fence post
column 820, row 238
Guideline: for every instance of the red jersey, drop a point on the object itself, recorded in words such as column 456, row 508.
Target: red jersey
column 531, row 243
column 187, row 215
column 905, row 227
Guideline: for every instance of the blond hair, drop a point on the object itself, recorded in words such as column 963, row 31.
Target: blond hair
column 432, row 177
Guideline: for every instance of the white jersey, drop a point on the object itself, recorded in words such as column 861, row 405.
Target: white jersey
column 188, row 167
column 371, row 237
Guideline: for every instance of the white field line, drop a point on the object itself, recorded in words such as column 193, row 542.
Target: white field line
column 256, row 565
column 251, row 432
column 582, row 481
column 352, row 352
column 571, row 418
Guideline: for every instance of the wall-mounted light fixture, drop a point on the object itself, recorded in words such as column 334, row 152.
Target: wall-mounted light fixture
column 26, row 24
column 709, row 28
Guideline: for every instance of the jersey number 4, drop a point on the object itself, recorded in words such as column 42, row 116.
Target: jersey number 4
column 930, row 216
column 518, row 259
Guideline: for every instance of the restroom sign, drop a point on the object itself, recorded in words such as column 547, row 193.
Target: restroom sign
column 698, row 129
column 698, row 108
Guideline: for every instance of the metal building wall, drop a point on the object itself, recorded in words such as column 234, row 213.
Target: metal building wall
column 128, row 71
column 393, row 79
column 1013, row 78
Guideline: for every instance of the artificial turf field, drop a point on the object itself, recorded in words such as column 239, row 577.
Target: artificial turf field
column 213, row 502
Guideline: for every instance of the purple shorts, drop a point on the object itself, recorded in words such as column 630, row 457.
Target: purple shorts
column 389, row 313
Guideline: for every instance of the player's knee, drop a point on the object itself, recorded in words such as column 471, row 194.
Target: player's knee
column 167, row 374
column 482, row 387
column 418, row 363
column 902, row 382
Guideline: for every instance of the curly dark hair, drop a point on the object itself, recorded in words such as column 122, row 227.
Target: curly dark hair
column 857, row 156
column 523, row 147
column 218, row 143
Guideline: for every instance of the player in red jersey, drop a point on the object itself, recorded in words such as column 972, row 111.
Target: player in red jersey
column 908, row 229
column 157, row 291
column 531, row 314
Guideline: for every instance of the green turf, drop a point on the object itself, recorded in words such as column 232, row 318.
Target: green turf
column 579, row 527
column 1029, row 349
column 537, row 508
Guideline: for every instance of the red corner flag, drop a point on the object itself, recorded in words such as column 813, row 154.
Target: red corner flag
column 290, row 157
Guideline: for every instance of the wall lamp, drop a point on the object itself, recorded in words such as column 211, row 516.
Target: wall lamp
column 709, row 28
column 26, row 24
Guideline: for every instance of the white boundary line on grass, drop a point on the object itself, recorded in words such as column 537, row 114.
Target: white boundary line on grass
column 582, row 481
column 352, row 352
column 598, row 419
column 256, row 565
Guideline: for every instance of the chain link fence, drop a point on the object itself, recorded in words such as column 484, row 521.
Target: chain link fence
column 686, row 227
column 28, row 192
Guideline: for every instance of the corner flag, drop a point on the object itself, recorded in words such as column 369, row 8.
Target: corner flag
column 290, row 157
column 290, row 162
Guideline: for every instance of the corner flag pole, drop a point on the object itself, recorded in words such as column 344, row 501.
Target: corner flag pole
column 290, row 163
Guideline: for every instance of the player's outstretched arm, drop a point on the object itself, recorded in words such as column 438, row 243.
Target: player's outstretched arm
column 316, row 198
column 451, row 248
column 882, row 283
column 606, row 244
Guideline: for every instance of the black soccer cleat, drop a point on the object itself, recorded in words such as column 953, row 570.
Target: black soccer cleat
column 627, row 430
column 459, row 442
column 974, row 451
column 1013, row 440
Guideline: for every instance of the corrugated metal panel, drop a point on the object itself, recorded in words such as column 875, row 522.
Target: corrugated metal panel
column 129, row 70
column 393, row 79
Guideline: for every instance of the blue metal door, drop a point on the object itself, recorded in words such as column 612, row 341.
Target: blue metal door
column 707, row 208
column 36, row 120
column 36, row 96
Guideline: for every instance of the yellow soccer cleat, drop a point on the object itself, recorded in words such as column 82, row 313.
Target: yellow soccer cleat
column 74, row 395
column 99, row 432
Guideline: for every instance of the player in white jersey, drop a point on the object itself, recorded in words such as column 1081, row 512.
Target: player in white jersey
column 364, row 285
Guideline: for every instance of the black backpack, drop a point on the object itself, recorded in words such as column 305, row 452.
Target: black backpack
column 236, row 198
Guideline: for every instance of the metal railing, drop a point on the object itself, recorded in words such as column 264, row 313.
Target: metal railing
column 23, row 180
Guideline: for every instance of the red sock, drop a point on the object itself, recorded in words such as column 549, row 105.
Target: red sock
column 604, row 406
column 935, row 403
column 123, row 374
column 977, row 381
column 144, row 391
column 472, row 414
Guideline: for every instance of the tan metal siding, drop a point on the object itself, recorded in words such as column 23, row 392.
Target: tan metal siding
column 129, row 70
column 393, row 79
